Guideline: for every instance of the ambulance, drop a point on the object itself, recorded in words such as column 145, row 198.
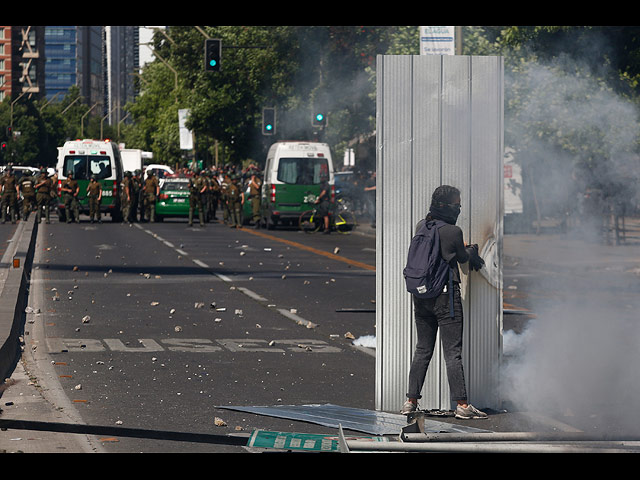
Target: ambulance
column 88, row 158
column 292, row 177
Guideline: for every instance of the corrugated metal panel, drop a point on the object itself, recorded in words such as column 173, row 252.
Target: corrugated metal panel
column 439, row 121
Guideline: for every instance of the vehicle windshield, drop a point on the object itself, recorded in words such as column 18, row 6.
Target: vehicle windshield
column 85, row 166
column 302, row 171
column 176, row 184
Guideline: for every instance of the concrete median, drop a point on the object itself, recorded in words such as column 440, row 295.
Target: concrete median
column 16, row 262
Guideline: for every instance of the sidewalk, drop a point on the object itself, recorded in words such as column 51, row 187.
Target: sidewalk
column 23, row 401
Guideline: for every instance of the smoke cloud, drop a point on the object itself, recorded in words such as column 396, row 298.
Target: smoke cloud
column 578, row 359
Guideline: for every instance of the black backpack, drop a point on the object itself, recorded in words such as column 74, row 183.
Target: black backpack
column 426, row 272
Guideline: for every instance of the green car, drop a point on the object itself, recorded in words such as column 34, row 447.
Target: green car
column 173, row 200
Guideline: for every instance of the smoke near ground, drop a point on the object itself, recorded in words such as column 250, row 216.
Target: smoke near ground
column 579, row 357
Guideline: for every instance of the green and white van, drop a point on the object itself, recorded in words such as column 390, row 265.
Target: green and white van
column 292, row 179
column 86, row 158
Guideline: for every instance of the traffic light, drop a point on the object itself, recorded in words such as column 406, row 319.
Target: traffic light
column 212, row 55
column 319, row 119
column 268, row 121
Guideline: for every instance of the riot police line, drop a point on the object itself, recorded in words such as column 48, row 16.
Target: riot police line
column 210, row 190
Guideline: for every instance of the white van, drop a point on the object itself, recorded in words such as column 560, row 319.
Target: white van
column 292, row 177
column 87, row 158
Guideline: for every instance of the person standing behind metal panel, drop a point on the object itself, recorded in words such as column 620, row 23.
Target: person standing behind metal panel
column 435, row 314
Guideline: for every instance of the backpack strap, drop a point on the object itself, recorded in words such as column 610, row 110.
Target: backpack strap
column 451, row 292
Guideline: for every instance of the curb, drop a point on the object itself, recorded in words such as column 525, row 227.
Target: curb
column 13, row 296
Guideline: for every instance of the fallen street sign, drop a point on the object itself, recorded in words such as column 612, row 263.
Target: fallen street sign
column 301, row 441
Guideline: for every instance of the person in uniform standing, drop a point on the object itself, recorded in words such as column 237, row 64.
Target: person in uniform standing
column 255, row 185
column 26, row 188
column 136, row 194
column 9, row 195
column 197, row 189
column 94, row 192
column 151, row 192
column 70, row 190
column 225, row 182
column 235, row 200
column 214, row 195
column 125, row 198
column 43, row 195
column 53, row 191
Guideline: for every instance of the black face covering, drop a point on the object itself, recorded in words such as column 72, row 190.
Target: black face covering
column 446, row 212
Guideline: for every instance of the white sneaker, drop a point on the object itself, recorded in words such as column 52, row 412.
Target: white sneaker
column 469, row 412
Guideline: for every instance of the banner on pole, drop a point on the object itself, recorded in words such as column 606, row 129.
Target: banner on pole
column 186, row 138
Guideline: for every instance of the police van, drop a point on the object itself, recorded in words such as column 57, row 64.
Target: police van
column 292, row 177
column 88, row 158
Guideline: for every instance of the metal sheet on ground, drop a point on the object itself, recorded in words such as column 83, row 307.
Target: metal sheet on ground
column 360, row 420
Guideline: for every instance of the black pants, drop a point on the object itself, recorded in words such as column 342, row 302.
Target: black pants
column 430, row 315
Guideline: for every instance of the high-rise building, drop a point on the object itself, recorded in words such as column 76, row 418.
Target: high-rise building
column 122, row 60
column 100, row 60
column 21, row 61
column 5, row 62
column 75, row 56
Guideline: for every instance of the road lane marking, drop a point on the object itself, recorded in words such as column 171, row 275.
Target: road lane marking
column 57, row 345
column 301, row 246
column 286, row 313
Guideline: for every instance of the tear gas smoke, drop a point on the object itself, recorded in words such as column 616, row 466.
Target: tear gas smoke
column 580, row 355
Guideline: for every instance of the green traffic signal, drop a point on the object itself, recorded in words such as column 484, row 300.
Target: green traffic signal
column 212, row 54
column 319, row 120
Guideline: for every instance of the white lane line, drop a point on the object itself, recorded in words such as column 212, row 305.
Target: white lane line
column 251, row 294
column 200, row 262
column 222, row 277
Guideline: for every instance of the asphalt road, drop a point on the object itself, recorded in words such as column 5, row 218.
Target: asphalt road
column 155, row 326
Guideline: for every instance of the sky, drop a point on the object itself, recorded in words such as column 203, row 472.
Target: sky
column 146, row 55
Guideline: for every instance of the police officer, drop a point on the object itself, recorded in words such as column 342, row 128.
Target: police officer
column 94, row 192
column 197, row 188
column 255, row 185
column 214, row 195
column 151, row 191
column 136, row 193
column 235, row 200
column 206, row 195
column 9, row 195
column 225, row 182
column 70, row 190
column 125, row 198
column 26, row 188
column 43, row 194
